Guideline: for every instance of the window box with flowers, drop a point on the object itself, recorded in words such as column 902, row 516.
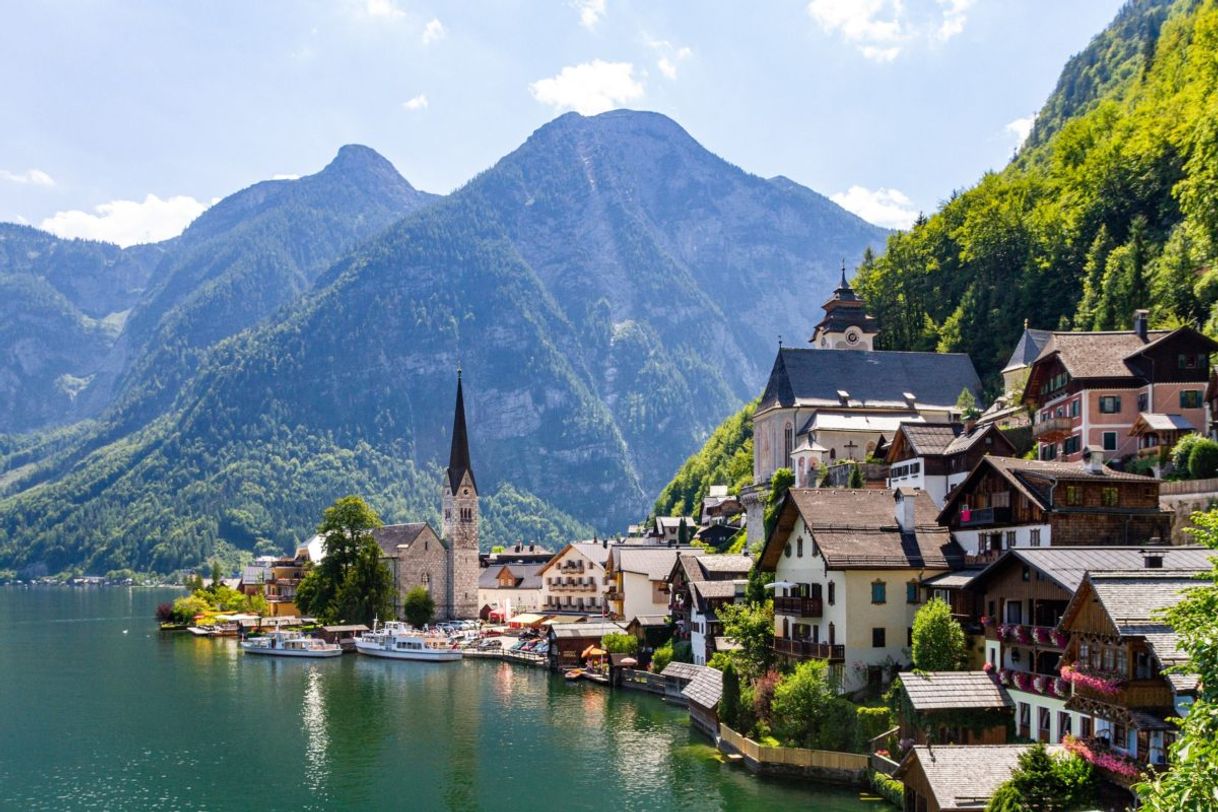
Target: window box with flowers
column 1105, row 683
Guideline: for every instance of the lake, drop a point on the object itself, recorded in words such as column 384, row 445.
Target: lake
column 99, row 709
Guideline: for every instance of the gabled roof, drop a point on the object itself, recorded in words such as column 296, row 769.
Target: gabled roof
column 857, row 529
column 1153, row 421
column 594, row 551
column 724, row 563
column 682, row 671
column 945, row 440
column 1066, row 566
column 950, row 690
column 527, row 576
column 811, row 377
column 1029, row 346
column 1034, row 479
column 655, row 563
column 706, row 688
column 582, row 631
column 1133, row 601
column 1107, row 354
column 390, row 537
column 964, row 776
column 718, row 589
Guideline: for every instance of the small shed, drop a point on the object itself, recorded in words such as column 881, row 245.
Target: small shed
column 703, row 694
column 954, row 707
column 568, row 641
column 954, row 778
column 652, row 632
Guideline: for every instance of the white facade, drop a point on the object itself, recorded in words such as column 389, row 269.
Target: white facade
column 912, row 474
column 573, row 581
column 978, row 541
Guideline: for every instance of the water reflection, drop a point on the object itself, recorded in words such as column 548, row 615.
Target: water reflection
column 317, row 739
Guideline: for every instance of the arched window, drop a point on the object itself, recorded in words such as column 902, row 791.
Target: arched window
column 788, row 442
column 787, row 550
column 799, row 552
column 832, row 630
column 832, row 593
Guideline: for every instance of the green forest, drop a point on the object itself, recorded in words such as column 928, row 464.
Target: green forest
column 1110, row 206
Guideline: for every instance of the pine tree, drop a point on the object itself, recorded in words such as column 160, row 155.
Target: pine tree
column 1093, row 274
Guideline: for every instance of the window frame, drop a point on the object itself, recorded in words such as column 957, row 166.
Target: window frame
column 1112, row 400
column 883, row 592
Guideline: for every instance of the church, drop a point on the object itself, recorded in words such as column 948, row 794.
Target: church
column 446, row 565
column 841, row 399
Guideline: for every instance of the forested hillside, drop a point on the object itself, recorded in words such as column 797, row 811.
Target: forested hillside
column 726, row 459
column 1110, row 206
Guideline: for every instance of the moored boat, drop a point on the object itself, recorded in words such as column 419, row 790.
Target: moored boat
column 290, row 644
column 398, row 641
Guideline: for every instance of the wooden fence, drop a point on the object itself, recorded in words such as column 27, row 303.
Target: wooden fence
column 793, row 757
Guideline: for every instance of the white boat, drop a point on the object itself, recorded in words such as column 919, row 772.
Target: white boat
column 290, row 644
column 399, row 641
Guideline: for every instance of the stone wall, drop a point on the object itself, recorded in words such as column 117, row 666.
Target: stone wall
column 1185, row 498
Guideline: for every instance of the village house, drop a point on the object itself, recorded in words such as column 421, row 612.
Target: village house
column 573, row 580
column 276, row 578
column 841, row 399
column 956, row 778
column 1125, row 392
column 936, row 457
column 417, row 557
column 672, row 530
column 568, row 641
column 847, row 568
column 509, row 589
column 698, row 586
column 1116, row 661
column 637, row 578
column 1007, row 502
column 719, row 506
column 516, row 554
column 954, row 707
column 1023, row 598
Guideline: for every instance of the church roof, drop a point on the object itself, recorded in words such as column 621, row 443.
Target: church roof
column 458, row 458
column 1029, row 346
column 390, row 537
column 867, row 378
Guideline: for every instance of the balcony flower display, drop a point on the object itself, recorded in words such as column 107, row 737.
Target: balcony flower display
column 1041, row 684
column 1023, row 634
column 988, row 668
column 1108, row 760
column 1061, row 687
column 1042, row 634
column 1107, row 684
column 1022, row 680
column 1059, row 638
column 1004, row 676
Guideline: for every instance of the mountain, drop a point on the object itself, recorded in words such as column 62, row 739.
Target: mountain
column 1109, row 207
column 63, row 304
column 610, row 289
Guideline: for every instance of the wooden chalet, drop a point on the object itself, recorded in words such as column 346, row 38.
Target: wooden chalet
column 955, row 778
column 934, row 704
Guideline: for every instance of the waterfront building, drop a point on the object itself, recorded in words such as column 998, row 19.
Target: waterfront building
column 847, row 566
column 509, row 587
column 417, row 557
column 698, row 586
column 568, row 641
column 841, row 399
column 1089, row 390
column 573, row 580
column 1007, row 502
column 936, row 457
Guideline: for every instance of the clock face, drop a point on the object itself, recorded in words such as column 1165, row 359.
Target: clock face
column 852, row 336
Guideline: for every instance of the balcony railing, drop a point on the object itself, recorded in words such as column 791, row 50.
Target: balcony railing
column 1053, row 428
column 978, row 517
column 1023, row 635
column 806, row 649
column 798, row 606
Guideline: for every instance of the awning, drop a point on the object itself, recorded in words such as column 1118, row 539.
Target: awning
column 527, row 619
column 593, row 651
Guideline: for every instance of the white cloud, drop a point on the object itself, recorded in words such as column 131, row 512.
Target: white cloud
column 590, row 88
column 433, row 31
column 590, row 12
column 419, row 102
column 283, row 176
column 382, row 8
column 890, row 208
column 670, row 56
column 1021, row 128
column 128, row 222
column 667, row 67
column 32, row 177
column 881, row 29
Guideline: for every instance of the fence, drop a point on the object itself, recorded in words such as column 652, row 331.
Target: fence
column 827, row 764
column 644, row 681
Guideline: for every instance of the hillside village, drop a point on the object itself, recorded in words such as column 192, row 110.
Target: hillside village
column 880, row 488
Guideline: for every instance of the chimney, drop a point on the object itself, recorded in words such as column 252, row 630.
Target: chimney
column 1093, row 461
column 1139, row 322
column 905, row 498
column 970, row 423
column 1152, row 559
column 605, row 543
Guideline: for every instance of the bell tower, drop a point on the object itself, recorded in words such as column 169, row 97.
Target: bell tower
column 461, row 516
column 846, row 325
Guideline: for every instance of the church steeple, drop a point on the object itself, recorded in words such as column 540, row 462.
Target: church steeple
column 458, row 457
column 846, row 324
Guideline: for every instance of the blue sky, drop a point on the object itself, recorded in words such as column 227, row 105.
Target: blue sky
column 122, row 121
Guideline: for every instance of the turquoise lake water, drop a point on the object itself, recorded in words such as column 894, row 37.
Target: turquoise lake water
column 94, row 718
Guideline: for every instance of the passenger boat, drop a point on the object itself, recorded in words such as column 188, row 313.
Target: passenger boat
column 290, row 644
column 398, row 641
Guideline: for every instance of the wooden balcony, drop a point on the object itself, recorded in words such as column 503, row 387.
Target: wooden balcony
column 807, row 650
column 798, row 606
column 1138, row 693
column 1053, row 429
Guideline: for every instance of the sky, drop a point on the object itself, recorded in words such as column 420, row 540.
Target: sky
column 122, row 121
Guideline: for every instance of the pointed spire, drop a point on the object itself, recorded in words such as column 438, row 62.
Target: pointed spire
column 458, row 458
column 844, row 285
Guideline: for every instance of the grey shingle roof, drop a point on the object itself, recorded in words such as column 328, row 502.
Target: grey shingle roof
column 953, row 580
column 681, row 671
column 706, row 688
column 1097, row 355
column 718, row 589
column 726, row 563
column 391, row 536
column 965, row 776
column 1029, row 346
column 1066, row 566
column 947, row 690
column 814, row 377
column 654, row 563
column 1134, row 600
column 589, row 630
column 527, row 576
